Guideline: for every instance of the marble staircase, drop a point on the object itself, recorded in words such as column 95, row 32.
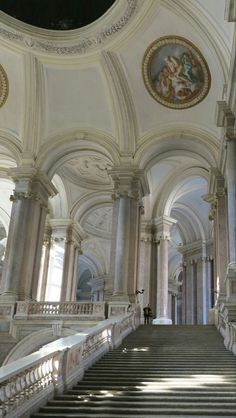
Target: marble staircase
column 182, row 371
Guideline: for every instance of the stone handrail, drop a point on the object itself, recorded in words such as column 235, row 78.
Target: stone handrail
column 32, row 380
column 26, row 310
column 225, row 322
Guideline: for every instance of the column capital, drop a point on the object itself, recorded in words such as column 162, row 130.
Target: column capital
column 146, row 231
column 67, row 229
column 129, row 181
column 217, row 183
column 75, row 235
column 162, row 225
column 225, row 118
column 31, row 184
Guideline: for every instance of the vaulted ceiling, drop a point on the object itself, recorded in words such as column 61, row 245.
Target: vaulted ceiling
column 78, row 105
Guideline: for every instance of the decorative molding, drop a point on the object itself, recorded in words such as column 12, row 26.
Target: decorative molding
column 4, row 86
column 64, row 44
column 34, row 111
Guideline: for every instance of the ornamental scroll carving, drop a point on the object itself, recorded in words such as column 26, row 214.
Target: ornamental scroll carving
column 4, row 86
column 28, row 196
column 84, row 44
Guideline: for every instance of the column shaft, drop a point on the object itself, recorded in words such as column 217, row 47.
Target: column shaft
column 44, row 266
column 25, row 239
column 162, row 279
column 163, row 225
column 122, row 245
column 231, row 194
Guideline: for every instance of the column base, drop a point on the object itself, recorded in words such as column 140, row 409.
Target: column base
column 120, row 297
column 9, row 297
column 12, row 297
column 162, row 321
column 117, row 308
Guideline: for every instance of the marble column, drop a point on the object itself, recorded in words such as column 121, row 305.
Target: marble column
column 122, row 249
column 183, row 320
column 225, row 118
column 25, row 239
column 231, row 198
column 163, row 225
column 222, row 244
column 201, row 302
column 189, row 291
column 129, row 186
column 70, row 265
column 145, row 266
column 218, row 215
column 41, row 292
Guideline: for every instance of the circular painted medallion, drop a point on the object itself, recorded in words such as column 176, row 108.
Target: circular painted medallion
column 3, row 86
column 175, row 72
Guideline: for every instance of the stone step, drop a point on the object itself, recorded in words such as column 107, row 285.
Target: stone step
column 69, row 399
column 136, row 393
column 150, row 402
column 193, row 413
column 203, row 408
column 153, row 374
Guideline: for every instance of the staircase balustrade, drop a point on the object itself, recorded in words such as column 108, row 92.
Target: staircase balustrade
column 226, row 324
column 32, row 380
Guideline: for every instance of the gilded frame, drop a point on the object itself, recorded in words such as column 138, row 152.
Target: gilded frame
column 175, row 72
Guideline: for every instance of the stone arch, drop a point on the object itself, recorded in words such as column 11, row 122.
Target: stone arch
column 10, row 149
column 60, row 149
column 173, row 185
column 59, row 203
column 177, row 140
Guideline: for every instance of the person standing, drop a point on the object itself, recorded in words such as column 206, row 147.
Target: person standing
column 147, row 314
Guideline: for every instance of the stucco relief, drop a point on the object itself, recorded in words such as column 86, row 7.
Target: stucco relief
column 100, row 219
column 87, row 167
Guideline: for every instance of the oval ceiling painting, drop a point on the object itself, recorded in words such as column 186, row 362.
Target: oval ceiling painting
column 3, row 86
column 175, row 72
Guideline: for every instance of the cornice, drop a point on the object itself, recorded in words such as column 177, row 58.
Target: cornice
column 131, row 180
column 78, row 41
column 25, row 176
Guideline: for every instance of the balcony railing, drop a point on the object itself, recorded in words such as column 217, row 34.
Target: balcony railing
column 30, row 310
